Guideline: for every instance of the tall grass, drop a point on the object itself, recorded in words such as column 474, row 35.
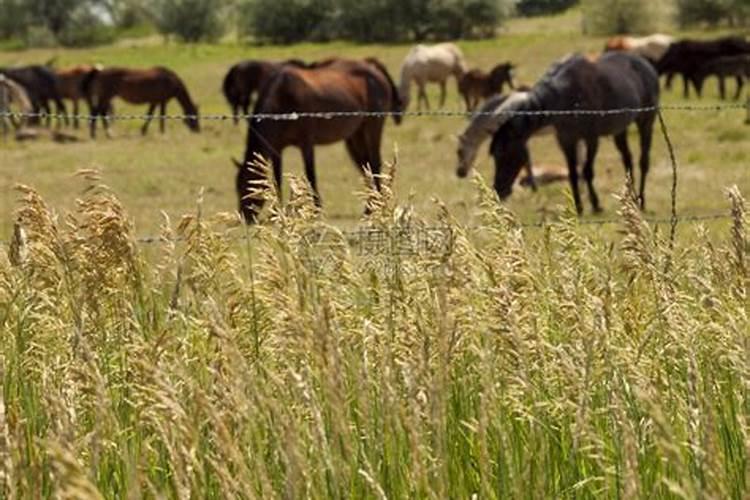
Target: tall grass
column 232, row 362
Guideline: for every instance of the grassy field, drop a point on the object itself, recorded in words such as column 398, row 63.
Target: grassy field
column 166, row 173
column 446, row 353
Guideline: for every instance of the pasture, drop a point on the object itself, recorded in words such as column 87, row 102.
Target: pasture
column 571, row 362
column 165, row 173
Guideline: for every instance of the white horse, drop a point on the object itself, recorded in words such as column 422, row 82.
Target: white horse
column 430, row 63
column 652, row 47
column 12, row 94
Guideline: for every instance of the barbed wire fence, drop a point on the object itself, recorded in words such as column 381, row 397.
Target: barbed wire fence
column 674, row 220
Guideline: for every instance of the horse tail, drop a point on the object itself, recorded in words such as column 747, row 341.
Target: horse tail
column 398, row 103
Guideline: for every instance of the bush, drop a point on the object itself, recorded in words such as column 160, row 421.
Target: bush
column 608, row 17
column 539, row 7
column 189, row 20
column 288, row 21
column 712, row 12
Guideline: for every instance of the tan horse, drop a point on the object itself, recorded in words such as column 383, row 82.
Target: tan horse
column 13, row 96
column 154, row 86
column 70, row 85
column 337, row 85
column 430, row 64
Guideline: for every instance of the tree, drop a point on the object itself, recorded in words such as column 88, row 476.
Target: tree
column 189, row 20
column 713, row 12
column 539, row 7
column 288, row 21
column 607, row 17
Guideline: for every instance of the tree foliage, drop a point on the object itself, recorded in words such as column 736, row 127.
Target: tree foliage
column 608, row 17
column 539, row 7
column 287, row 21
column 189, row 20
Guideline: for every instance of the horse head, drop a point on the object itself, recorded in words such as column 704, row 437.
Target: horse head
column 511, row 154
column 192, row 118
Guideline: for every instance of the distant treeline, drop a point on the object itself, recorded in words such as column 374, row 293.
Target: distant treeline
column 89, row 22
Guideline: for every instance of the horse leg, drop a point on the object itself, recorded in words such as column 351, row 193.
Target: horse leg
column 442, row 94
column 308, row 156
column 722, row 88
column 740, row 85
column 62, row 113
column 163, row 116
column 592, row 146
column 423, row 97
column 685, row 87
column 76, row 124
column 149, row 116
column 621, row 141
column 645, row 130
column 570, row 150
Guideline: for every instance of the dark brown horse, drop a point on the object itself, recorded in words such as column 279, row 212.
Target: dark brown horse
column 70, row 86
column 154, row 86
column 41, row 85
column 476, row 85
column 616, row 81
column 247, row 78
column 338, row 85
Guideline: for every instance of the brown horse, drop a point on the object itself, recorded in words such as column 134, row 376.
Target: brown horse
column 337, row 85
column 477, row 85
column 154, row 86
column 70, row 85
column 247, row 78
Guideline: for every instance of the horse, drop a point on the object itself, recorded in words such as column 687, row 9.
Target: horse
column 70, row 85
column 41, row 85
column 652, row 47
column 483, row 125
column 12, row 94
column 616, row 81
column 339, row 85
column 723, row 67
column 154, row 86
column 476, row 85
column 245, row 79
column 686, row 57
column 426, row 63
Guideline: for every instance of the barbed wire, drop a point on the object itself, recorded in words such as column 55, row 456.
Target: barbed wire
column 297, row 115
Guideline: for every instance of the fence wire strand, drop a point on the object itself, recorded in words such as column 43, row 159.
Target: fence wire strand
column 327, row 115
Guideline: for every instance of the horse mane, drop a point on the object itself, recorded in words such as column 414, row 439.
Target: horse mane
column 88, row 81
column 398, row 103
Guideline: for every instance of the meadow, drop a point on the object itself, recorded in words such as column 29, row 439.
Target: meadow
column 293, row 360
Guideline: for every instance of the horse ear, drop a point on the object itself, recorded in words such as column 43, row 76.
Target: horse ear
column 236, row 163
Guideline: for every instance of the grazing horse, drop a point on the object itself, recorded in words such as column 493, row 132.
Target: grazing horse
column 434, row 63
column 483, row 125
column 724, row 67
column 652, row 47
column 477, row 85
column 70, row 85
column 155, row 87
column 615, row 81
column 686, row 57
column 12, row 95
column 247, row 78
column 41, row 85
column 338, row 85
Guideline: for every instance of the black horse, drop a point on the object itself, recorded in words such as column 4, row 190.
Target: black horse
column 616, row 81
column 247, row 78
column 688, row 58
column 42, row 86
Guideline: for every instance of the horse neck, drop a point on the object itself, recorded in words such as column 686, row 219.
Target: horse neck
column 184, row 99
